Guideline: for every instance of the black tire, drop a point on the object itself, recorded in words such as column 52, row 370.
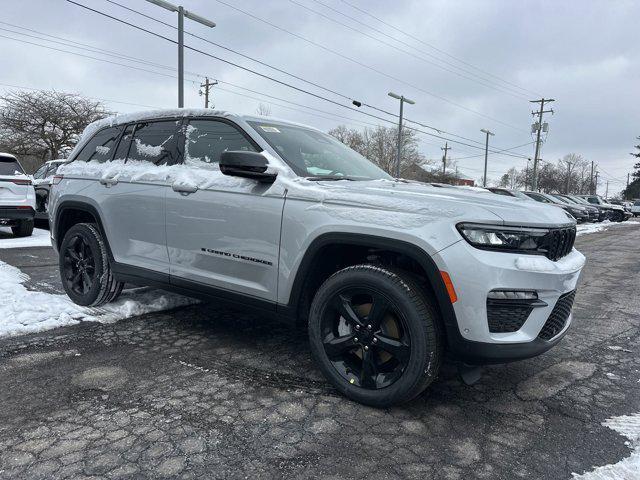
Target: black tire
column 84, row 267
column 24, row 228
column 417, row 327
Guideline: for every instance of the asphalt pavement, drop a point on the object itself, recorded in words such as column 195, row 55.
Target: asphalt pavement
column 207, row 392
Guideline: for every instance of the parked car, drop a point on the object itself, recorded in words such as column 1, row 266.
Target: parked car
column 603, row 213
column 17, row 197
column 284, row 219
column 616, row 212
column 635, row 209
column 592, row 212
column 42, row 179
column 510, row 193
column 576, row 211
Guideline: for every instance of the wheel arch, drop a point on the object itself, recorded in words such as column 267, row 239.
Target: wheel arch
column 314, row 258
column 71, row 212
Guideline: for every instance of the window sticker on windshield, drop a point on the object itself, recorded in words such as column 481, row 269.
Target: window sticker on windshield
column 269, row 129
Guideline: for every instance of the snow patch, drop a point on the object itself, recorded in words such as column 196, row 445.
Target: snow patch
column 26, row 311
column 148, row 150
column 627, row 468
column 587, row 228
column 39, row 238
column 570, row 263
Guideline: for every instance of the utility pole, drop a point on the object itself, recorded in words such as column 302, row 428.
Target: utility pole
column 526, row 175
column 591, row 191
column 399, row 154
column 207, row 86
column 538, row 128
column 595, row 186
column 182, row 13
column 606, row 192
column 446, row 148
column 486, row 154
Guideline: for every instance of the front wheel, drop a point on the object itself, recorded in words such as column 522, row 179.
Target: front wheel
column 375, row 335
column 84, row 267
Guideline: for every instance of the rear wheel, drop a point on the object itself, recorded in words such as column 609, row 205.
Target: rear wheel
column 24, row 228
column 84, row 267
column 375, row 335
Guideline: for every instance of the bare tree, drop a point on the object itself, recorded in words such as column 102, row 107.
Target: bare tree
column 263, row 110
column 379, row 145
column 44, row 125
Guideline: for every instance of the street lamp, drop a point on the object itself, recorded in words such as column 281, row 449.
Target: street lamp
column 399, row 155
column 181, row 14
column 486, row 155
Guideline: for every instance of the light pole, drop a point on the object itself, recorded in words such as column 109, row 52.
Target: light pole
column 486, row 154
column 181, row 14
column 399, row 154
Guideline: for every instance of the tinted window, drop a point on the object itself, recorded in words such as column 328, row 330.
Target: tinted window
column 9, row 166
column 155, row 142
column 100, row 147
column 593, row 200
column 123, row 146
column 40, row 172
column 207, row 139
column 539, row 198
column 502, row 192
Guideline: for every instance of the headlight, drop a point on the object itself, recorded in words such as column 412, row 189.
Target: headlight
column 495, row 237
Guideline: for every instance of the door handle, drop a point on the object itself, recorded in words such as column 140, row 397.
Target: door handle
column 184, row 189
column 107, row 182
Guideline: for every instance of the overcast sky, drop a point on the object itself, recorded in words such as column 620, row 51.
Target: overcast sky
column 467, row 64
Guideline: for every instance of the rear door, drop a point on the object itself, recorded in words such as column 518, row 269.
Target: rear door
column 222, row 232
column 133, row 190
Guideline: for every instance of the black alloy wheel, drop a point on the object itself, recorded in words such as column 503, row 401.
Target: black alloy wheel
column 375, row 334
column 84, row 267
column 79, row 265
column 365, row 337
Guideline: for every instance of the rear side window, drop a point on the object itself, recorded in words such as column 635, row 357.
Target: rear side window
column 206, row 140
column 155, row 142
column 40, row 172
column 100, row 147
column 592, row 200
column 10, row 166
column 502, row 192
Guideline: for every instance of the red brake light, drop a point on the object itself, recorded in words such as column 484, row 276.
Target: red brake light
column 21, row 182
column 57, row 179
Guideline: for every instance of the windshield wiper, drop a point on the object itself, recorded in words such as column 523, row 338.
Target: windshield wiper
column 318, row 178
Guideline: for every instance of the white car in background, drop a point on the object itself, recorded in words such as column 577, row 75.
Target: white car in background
column 635, row 208
column 17, row 197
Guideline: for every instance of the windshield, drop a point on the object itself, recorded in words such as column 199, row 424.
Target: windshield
column 9, row 166
column 315, row 154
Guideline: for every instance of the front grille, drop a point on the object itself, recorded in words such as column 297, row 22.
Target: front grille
column 559, row 316
column 559, row 242
column 505, row 318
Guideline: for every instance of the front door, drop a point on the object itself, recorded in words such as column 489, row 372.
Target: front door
column 222, row 232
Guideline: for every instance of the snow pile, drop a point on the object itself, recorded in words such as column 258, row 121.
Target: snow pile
column 601, row 227
column 537, row 263
column 627, row 468
column 39, row 238
column 26, row 311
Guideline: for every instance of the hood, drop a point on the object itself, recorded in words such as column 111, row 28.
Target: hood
column 454, row 203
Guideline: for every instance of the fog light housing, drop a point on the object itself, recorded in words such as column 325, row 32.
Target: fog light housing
column 512, row 295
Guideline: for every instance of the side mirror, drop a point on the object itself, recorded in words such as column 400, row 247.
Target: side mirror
column 246, row 164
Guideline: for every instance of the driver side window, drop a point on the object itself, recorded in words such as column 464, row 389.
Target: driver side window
column 206, row 140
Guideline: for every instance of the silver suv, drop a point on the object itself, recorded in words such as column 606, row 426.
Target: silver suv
column 282, row 218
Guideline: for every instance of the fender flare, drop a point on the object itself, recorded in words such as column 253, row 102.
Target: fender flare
column 413, row 251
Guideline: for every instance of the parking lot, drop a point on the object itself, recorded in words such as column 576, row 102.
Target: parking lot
column 202, row 391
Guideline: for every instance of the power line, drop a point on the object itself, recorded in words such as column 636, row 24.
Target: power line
column 480, row 81
column 435, row 48
column 364, row 65
column 351, row 99
column 263, row 75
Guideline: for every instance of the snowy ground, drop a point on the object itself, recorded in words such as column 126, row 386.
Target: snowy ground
column 40, row 238
column 27, row 311
column 587, row 228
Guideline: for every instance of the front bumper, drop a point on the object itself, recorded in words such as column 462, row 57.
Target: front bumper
column 16, row 213
column 475, row 273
